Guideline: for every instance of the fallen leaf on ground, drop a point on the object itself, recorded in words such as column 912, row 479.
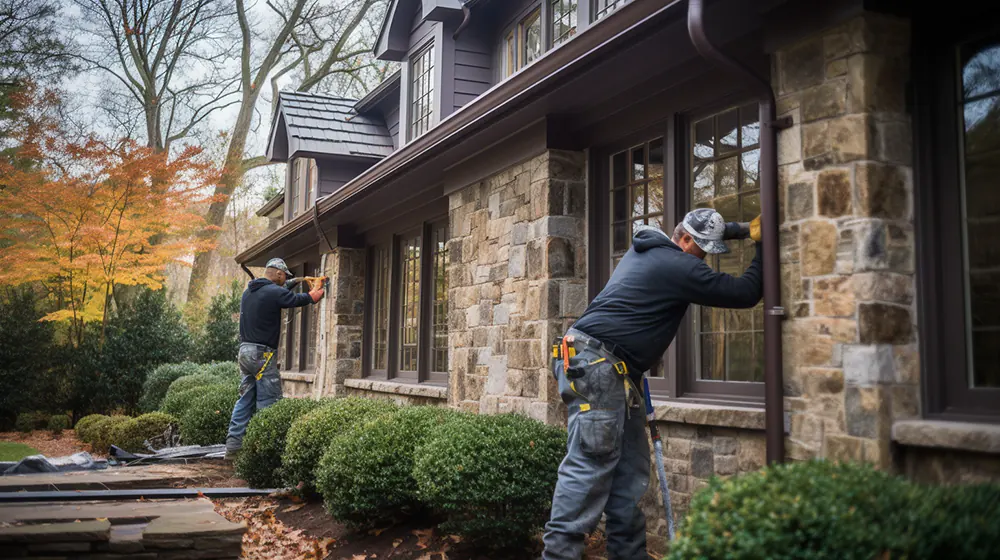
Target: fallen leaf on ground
column 396, row 543
column 296, row 507
column 423, row 537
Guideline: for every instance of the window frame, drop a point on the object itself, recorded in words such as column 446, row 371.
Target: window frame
column 512, row 33
column 393, row 242
column 610, row 6
column 679, row 380
column 940, row 271
column 430, row 74
column 572, row 14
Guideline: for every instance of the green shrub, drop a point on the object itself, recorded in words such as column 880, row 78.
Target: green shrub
column 132, row 434
column 189, row 381
column 227, row 371
column 206, row 420
column 366, row 474
column 84, row 427
column 219, row 339
column 58, row 423
column 26, row 355
column 28, row 421
column 311, row 434
column 491, row 476
column 177, row 402
column 259, row 461
column 827, row 510
column 103, row 432
column 159, row 380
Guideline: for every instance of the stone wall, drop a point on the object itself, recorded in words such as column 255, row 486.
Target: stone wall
column 517, row 280
column 847, row 249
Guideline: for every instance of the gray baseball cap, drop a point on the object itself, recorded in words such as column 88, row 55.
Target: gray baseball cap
column 707, row 228
column 280, row 265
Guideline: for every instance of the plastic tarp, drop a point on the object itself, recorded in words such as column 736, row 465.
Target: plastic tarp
column 182, row 454
column 81, row 461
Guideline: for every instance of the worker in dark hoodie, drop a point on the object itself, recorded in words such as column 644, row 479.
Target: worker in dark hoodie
column 260, row 330
column 624, row 332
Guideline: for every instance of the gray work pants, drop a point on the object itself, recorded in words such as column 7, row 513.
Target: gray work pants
column 606, row 468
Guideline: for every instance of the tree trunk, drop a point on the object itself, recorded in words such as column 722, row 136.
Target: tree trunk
column 232, row 175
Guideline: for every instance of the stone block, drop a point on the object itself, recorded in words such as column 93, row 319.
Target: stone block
column 57, row 547
column 836, row 45
column 819, row 381
column 877, row 84
column 871, row 246
column 905, row 402
column 536, row 259
column 702, row 461
column 724, row 446
column 84, row 531
column 836, row 68
column 818, row 247
column 826, row 100
column 867, row 365
column 572, row 300
column 881, row 323
column 894, row 141
column 884, row 287
column 800, row 204
column 524, row 353
column 801, row 66
column 806, row 428
column 677, row 448
column 561, row 258
column 833, row 297
column 843, row 448
column 726, row 465
column 907, row 364
column 517, row 261
column 883, row 191
column 835, row 141
column 864, row 411
column 833, row 187
column 752, row 453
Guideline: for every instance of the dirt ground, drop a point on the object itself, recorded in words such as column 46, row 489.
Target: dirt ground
column 48, row 444
column 287, row 528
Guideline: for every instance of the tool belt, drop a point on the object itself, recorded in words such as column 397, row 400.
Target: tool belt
column 564, row 349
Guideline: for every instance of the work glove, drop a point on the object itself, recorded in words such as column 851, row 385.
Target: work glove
column 743, row 230
column 755, row 232
column 292, row 282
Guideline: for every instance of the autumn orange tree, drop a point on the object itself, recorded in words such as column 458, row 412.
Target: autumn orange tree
column 85, row 216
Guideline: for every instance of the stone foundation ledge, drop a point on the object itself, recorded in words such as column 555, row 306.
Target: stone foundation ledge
column 399, row 388
column 300, row 377
column 709, row 415
column 965, row 436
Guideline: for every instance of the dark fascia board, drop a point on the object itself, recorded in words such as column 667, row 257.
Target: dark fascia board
column 555, row 67
column 271, row 205
column 381, row 91
column 277, row 127
column 439, row 10
column 394, row 35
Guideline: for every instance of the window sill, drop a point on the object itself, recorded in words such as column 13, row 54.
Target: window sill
column 709, row 415
column 304, row 377
column 425, row 390
column 964, row 436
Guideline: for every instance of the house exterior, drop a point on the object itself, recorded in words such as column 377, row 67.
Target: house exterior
column 469, row 207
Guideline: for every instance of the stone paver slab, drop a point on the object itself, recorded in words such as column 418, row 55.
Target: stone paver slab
column 85, row 531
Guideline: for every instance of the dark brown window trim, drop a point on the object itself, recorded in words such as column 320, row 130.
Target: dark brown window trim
column 940, row 286
column 423, row 374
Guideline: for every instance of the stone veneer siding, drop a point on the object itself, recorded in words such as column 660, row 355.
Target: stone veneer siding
column 847, row 248
column 517, row 279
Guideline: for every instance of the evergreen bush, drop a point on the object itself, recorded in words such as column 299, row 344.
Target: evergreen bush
column 310, row 435
column 28, row 421
column 491, row 476
column 177, row 403
column 226, row 371
column 366, row 474
column 159, row 380
column 259, row 460
column 205, row 421
column 220, row 337
column 132, row 434
column 819, row 509
column 58, row 422
column 103, row 432
column 84, row 427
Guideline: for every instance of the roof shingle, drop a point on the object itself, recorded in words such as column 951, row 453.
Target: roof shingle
column 328, row 125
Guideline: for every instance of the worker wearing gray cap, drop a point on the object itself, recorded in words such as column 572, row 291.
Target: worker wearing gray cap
column 599, row 364
column 260, row 330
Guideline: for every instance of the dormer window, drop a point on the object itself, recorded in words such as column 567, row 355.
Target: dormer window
column 531, row 37
column 421, row 91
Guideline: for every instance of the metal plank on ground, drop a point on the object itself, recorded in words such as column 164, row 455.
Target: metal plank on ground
column 131, row 494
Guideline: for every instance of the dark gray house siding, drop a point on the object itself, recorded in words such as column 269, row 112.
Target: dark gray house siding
column 473, row 70
column 334, row 173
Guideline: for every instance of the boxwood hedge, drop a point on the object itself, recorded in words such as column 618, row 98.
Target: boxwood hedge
column 178, row 402
column 132, row 434
column 366, row 474
column 205, row 421
column 311, row 434
column 84, row 431
column 259, row 461
column 159, row 380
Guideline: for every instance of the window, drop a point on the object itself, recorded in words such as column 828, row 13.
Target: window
column 530, row 31
column 958, row 133
column 407, row 317
column 312, row 326
column 421, row 91
column 563, row 20
column 654, row 179
column 299, row 328
column 295, row 188
column 303, row 180
column 725, row 157
column 509, row 54
column 312, row 183
column 605, row 7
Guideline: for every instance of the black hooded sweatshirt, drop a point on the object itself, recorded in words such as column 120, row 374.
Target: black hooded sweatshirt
column 648, row 294
column 260, row 311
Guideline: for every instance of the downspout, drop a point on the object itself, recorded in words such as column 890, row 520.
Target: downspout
column 466, row 16
column 774, row 407
column 319, row 381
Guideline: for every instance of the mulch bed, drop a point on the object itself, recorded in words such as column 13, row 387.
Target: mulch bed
column 48, row 444
column 287, row 528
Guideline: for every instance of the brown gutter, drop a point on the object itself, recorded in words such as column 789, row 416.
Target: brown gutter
column 555, row 68
column 774, row 403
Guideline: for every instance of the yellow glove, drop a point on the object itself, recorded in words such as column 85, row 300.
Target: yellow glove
column 755, row 232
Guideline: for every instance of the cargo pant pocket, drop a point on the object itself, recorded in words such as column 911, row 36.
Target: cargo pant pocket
column 600, row 432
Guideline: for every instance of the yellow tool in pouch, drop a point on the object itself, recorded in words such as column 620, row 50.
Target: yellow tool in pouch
column 267, row 360
column 755, row 232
